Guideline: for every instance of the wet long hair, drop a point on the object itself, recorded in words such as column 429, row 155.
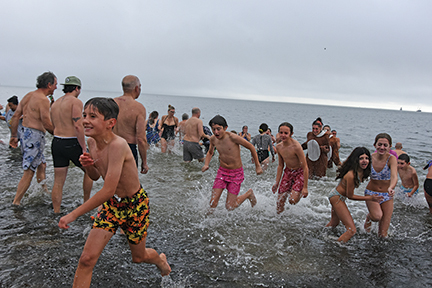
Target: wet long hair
column 353, row 163
column 153, row 115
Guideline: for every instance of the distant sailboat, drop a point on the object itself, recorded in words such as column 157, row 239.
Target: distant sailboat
column 400, row 109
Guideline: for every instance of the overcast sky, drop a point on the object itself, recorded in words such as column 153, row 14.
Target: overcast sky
column 352, row 53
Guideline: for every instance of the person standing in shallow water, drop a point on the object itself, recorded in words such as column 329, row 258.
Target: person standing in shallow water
column 69, row 142
column 383, row 180
column 131, row 120
column 317, row 144
column 167, row 126
column 34, row 108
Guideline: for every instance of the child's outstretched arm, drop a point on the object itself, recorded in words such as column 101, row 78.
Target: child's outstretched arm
column 393, row 175
column 238, row 140
column 209, row 154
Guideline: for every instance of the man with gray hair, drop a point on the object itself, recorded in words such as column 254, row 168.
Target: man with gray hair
column 35, row 109
column 193, row 133
column 131, row 119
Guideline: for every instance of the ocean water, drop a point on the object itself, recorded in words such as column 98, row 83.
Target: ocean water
column 248, row 247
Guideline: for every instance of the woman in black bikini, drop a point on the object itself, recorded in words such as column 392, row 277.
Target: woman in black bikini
column 167, row 127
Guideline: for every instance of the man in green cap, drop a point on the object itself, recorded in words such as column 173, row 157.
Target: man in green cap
column 69, row 142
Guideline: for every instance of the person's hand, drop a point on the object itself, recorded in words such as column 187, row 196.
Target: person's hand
column 305, row 192
column 65, row 220
column 204, row 168
column 377, row 198
column 144, row 168
column 13, row 142
column 275, row 187
column 86, row 160
column 259, row 170
column 391, row 192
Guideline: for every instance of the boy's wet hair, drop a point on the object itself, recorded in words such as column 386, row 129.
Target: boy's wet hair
column 263, row 128
column 404, row 157
column 218, row 120
column 105, row 106
column 385, row 136
column 286, row 124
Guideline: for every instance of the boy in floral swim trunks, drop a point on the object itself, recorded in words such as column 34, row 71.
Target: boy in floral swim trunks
column 408, row 175
column 230, row 173
column 124, row 202
column 295, row 177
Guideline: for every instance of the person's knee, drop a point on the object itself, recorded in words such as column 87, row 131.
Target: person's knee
column 87, row 260
column 375, row 216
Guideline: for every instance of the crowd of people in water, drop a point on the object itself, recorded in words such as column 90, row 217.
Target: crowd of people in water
column 119, row 136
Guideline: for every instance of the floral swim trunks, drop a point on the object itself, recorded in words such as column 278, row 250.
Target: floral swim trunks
column 291, row 180
column 230, row 179
column 32, row 145
column 131, row 214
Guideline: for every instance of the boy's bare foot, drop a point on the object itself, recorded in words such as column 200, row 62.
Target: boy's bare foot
column 252, row 198
column 165, row 269
column 368, row 224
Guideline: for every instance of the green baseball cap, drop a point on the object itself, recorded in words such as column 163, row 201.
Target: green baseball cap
column 72, row 80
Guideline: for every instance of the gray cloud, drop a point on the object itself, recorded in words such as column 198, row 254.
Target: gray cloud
column 365, row 53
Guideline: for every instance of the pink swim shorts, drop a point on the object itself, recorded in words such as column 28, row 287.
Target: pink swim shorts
column 291, row 180
column 230, row 179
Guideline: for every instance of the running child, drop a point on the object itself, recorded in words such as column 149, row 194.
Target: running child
column 355, row 169
column 408, row 175
column 124, row 202
column 295, row 177
column 230, row 174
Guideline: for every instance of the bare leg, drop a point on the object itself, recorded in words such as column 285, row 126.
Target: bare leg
column 41, row 175
column 23, row 185
column 341, row 212
column 384, row 223
column 96, row 242
column 87, row 186
column 265, row 163
column 233, row 201
column 375, row 214
column 147, row 255
column 280, row 204
column 163, row 145
column 57, row 191
column 295, row 197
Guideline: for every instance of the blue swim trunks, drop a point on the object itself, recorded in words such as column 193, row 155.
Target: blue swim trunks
column 408, row 190
column 32, row 145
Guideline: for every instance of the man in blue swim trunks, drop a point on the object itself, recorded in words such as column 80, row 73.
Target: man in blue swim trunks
column 69, row 141
column 408, row 175
column 35, row 109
